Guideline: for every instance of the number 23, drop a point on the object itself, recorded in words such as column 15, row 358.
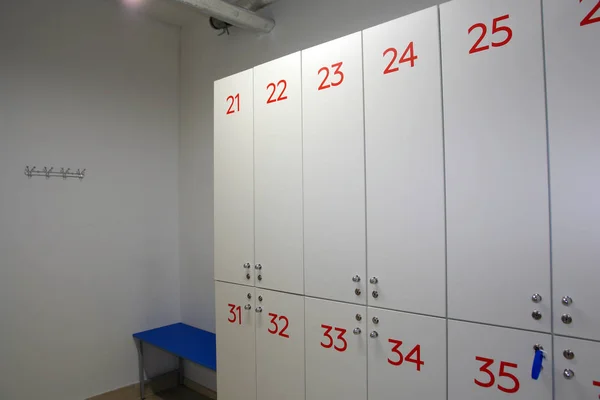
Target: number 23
column 338, row 72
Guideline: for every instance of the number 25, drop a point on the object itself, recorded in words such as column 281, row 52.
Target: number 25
column 324, row 84
column 495, row 29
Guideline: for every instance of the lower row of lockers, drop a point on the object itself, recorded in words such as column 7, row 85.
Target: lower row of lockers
column 273, row 345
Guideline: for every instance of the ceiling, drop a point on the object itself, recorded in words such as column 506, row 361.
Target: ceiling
column 169, row 11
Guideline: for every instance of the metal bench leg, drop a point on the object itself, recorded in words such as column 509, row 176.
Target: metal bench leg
column 181, row 373
column 141, row 370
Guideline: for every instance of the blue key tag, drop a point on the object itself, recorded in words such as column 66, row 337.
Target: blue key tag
column 536, row 368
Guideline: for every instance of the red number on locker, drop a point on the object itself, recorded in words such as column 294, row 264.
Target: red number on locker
column 487, row 362
column 407, row 56
column 596, row 383
column 337, row 71
column 271, row 99
column 590, row 18
column 409, row 358
column 276, row 330
column 235, row 317
column 495, row 29
column 340, row 337
column 232, row 100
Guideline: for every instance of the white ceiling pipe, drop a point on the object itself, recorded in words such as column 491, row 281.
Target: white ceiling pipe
column 233, row 15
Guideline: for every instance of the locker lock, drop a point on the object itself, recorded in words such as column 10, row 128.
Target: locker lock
column 569, row 374
column 538, row 347
column 249, row 296
column 375, row 294
column 536, row 315
column 247, row 307
column 259, row 277
column 357, row 331
column 356, row 278
column 260, row 298
column 568, row 354
column 358, row 317
column 247, row 265
column 375, row 320
column 248, row 276
column 357, row 292
column 566, row 319
column 258, row 266
column 536, row 298
column 374, row 280
column 374, row 334
column 567, row 300
column 258, row 309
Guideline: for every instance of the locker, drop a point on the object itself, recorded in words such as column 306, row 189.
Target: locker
column 279, row 345
column 577, row 364
column 492, row 363
column 406, row 356
column 571, row 31
column 334, row 171
column 496, row 163
column 336, row 350
column 278, row 174
column 234, row 176
column 405, row 171
column 235, row 322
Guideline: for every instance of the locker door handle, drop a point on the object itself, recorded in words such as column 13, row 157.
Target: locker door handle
column 357, row 331
column 247, row 307
column 258, row 309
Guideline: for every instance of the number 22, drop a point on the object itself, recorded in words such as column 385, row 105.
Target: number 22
column 590, row 19
column 337, row 71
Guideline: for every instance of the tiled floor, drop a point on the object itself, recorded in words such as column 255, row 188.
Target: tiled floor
column 179, row 393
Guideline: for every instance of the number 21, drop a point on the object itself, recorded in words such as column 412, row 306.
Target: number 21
column 590, row 19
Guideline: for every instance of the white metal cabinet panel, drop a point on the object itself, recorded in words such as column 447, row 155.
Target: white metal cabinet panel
column 278, row 174
column 235, row 322
column 405, row 165
column 508, row 376
column 336, row 357
column 234, row 178
column 279, row 346
column 496, row 162
column 578, row 372
column 334, row 170
column 572, row 32
column 406, row 356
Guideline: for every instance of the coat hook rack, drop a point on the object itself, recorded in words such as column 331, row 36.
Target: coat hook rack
column 50, row 173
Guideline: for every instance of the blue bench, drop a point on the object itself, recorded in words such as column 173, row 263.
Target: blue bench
column 181, row 340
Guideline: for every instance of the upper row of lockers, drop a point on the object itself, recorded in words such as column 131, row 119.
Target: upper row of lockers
column 448, row 160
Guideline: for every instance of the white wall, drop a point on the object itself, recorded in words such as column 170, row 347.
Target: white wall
column 206, row 58
column 83, row 265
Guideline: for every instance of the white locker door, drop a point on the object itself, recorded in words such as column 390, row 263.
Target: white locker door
column 491, row 363
column 577, row 364
column 405, row 165
column 234, row 177
column 279, row 346
column 407, row 356
column 334, row 170
column 572, row 33
column 236, row 362
column 336, row 350
column 496, row 163
column 278, row 174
